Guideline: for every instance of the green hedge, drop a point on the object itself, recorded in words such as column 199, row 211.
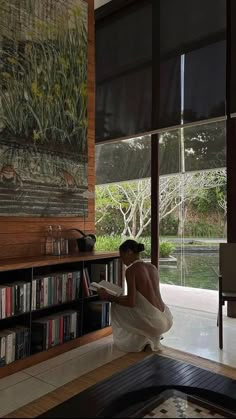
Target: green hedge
column 112, row 243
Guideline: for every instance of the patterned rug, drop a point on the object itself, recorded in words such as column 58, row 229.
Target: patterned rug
column 175, row 404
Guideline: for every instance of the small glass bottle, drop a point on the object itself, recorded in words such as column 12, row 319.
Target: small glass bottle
column 49, row 244
column 57, row 241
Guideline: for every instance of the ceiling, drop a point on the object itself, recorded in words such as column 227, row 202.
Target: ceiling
column 99, row 3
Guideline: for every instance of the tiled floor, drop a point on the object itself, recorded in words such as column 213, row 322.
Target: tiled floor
column 22, row 388
column 178, row 406
column 193, row 332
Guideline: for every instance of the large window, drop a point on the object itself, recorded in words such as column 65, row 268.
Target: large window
column 192, row 203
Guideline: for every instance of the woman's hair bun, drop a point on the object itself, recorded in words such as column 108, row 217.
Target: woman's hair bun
column 140, row 247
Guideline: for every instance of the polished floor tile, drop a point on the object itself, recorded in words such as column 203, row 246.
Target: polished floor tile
column 16, row 396
column 13, row 379
column 67, row 356
column 196, row 332
column 80, row 365
column 191, row 298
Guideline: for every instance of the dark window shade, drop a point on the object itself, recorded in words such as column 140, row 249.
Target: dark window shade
column 170, row 93
column 123, row 105
column 123, row 72
column 186, row 25
column 124, row 41
column 204, row 87
column 126, row 59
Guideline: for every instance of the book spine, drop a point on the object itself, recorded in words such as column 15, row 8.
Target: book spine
column 3, row 303
column 25, row 298
column 42, row 293
column 38, row 294
column 78, row 285
column 50, row 338
column 45, row 291
column 3, row 350
column 64, row 285
column 8, row 301
column 20, row 344
column 9, row 343
column 57, row 331
column 26, row 342
column 85, row 285
column 21, row 297
column 33, row 295
column 111, row 268
column 13, row 300
column 61, row 330
column 73, row 287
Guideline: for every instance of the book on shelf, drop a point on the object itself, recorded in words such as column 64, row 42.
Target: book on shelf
column 56, row 289
column 53, row 330
column 14, row 344
column 97, row 315
column 108, row 271
column 110, row 288
column 99, row 272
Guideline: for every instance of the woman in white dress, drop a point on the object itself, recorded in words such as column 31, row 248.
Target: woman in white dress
column 141, row 317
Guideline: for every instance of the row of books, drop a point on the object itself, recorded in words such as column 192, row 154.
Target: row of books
column 50, row 331
column 14, row 344
column 54, row 330
column 108, row 271
column 14, row 299
column 55, row 289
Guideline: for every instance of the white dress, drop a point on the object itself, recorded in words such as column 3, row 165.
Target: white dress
column 135, row 327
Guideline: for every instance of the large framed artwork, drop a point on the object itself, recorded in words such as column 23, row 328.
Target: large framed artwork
column 43, row 107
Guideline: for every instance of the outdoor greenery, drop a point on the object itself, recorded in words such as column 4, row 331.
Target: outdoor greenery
column 193, row 204
column 112, row 243
column 43, row 80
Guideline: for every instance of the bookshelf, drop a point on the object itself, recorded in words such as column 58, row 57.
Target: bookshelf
column 46, row 307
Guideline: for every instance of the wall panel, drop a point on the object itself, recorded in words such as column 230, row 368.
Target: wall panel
column 23, row 236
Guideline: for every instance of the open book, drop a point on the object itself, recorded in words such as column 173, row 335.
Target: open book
column 110, row 288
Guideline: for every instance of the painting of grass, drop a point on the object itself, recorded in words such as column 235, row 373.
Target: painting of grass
column 43, row 103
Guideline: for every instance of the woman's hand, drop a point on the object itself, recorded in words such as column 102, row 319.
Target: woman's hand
column 103, row 294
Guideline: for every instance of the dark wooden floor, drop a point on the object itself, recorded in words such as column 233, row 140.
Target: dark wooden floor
column 82, row 383
column 142, row 381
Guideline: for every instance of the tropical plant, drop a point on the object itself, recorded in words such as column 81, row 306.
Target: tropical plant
column 166, row 248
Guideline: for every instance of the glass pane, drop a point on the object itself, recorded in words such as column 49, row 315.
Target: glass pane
column 123, row 160
column 193, row 206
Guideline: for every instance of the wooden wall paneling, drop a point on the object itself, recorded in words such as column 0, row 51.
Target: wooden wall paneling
column 23, row 236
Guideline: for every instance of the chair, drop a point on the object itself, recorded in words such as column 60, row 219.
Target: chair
column 227, row 281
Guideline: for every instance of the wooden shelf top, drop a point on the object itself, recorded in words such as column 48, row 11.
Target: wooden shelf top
column 36, row 262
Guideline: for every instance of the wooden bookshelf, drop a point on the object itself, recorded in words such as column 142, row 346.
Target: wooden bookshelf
column 19, row 267
column 35, row 262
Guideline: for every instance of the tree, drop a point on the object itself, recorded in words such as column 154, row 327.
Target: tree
column 133, row 199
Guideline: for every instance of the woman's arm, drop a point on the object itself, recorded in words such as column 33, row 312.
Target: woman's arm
column 127, row 300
